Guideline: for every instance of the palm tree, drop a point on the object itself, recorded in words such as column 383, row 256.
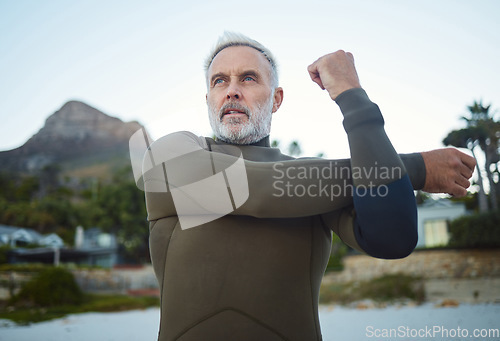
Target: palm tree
column 482, row 131
column 464, row 138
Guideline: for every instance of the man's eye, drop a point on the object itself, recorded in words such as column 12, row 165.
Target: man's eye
column 218, row 81
column 248, row 78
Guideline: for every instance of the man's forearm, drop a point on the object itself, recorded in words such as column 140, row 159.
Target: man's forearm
column 385, row 224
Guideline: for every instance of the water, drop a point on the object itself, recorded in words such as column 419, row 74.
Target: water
column 424, row 322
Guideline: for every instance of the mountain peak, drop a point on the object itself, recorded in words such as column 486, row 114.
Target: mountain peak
column 77, row 120
column 76, row 130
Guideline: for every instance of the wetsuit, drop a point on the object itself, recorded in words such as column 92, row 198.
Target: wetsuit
column 255, row 273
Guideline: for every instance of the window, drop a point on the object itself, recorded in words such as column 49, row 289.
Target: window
column 436, row 232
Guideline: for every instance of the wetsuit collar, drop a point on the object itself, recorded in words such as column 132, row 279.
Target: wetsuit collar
column 261, row 143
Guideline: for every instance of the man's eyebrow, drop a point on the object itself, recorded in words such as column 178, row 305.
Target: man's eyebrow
column 217, row 75
column 253, row 73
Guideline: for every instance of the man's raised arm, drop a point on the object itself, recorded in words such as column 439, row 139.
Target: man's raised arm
column 385, row 223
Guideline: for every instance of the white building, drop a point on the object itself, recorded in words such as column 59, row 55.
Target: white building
column 21, row 236
column 92, row 247
column 99, row 248
column 433, row 219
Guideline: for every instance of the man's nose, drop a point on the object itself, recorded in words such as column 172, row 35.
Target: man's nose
column 233, row 92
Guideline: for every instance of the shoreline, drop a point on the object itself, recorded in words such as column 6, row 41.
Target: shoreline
column 337, row 323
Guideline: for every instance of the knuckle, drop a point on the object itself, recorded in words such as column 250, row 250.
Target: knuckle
column 455, row 163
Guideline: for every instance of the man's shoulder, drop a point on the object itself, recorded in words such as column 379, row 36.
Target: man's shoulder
column 182, row 135
column 180, row 139
column 177, row 144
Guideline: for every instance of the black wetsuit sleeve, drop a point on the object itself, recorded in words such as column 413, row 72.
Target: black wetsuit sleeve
column 385, row 221
column 415, row 166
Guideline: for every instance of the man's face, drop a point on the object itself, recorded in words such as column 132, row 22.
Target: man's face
column 240, row 97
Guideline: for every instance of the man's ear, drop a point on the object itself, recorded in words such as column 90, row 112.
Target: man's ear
column 278, row 99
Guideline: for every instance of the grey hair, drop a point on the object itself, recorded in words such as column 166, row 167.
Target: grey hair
column 237, row 39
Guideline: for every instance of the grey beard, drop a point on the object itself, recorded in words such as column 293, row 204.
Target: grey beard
column 253, row 130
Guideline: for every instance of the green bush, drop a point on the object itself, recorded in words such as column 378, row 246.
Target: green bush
column 92, row 302
column 393, row 286
column 386, row 288
column 4, row 252
column 475, row 231
column 51, row 287
column 24, row 267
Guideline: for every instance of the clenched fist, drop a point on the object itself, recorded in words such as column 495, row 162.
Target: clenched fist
column 335, row 72
column 448, row 171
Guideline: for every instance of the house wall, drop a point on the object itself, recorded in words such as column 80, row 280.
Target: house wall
column 436, row 213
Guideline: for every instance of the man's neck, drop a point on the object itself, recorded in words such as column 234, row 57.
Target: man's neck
column 261, row 143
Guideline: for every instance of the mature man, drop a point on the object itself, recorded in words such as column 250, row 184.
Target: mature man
column 254, row 272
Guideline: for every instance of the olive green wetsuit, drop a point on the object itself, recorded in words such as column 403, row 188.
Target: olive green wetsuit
column 255, row 274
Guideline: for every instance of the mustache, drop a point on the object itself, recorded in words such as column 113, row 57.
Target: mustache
column 236, row 106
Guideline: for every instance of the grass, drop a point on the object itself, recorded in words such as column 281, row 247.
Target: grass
column 387, row 288
column 91, row 303
column 52, row 292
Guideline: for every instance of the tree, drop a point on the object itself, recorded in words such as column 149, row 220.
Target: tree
column 119, row 208
column 293, row 149
column 464, row 138
column 484, row 132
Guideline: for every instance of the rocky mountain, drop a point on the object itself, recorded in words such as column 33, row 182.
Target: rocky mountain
column 77, row 139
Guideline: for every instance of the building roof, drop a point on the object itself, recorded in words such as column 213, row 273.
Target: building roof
column 9, row 234
column 440, row 203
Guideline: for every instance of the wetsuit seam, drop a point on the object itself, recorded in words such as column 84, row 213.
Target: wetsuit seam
column 213, row 165
column 165, row 271
column 311, row 259
column 209, row 146
column 153, row 224
column 325, row 227
column 207, row 317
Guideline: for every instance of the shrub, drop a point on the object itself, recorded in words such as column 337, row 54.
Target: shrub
column 51, row 287
column 24, row 267
column 475, row 231
column 386, row 288
column 393, row 286
column 4, row 252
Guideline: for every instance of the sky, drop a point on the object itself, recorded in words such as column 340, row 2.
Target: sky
column 422, row 62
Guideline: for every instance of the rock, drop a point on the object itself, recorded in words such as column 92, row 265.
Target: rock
column 448, row 303
column 367, row 304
